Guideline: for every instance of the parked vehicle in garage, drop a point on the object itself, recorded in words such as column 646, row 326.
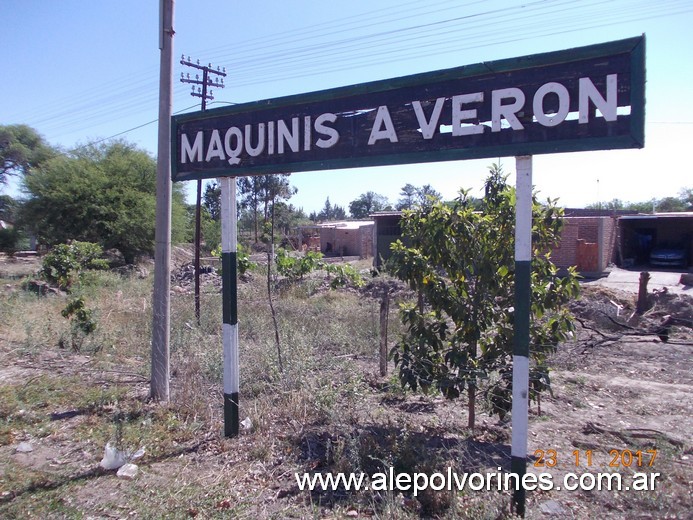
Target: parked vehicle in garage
column 669, row 256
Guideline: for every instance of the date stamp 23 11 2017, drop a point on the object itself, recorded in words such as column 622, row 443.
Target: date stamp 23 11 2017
column 585, row 458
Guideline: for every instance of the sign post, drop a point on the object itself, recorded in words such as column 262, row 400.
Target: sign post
column 589, row 98
column 229, row 290
column 523, row 287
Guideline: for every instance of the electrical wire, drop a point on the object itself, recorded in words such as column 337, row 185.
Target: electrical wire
column 350, row 43
column 98, row 141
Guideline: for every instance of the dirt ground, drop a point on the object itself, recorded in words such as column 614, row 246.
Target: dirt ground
column 621, row 402
column 616, row 395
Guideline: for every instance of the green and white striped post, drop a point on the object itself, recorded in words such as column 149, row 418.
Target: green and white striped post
column 229, row 293
column 523, row 284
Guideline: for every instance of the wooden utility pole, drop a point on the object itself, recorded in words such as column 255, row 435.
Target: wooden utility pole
column 201, row 92
column 161, row 315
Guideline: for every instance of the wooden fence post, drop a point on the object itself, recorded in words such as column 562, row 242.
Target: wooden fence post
column 384, row 312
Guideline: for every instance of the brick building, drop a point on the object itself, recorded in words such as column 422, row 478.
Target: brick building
column 349, row 238
column 588, row 240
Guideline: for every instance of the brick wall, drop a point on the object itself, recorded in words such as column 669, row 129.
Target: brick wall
column 347, row 242
column 588, row 230
column 366, row 250
column 565, row 254
column 610, row 241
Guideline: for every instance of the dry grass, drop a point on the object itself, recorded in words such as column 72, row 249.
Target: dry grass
column 328, row 411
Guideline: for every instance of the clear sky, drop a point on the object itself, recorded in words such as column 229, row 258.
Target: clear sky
column 83, row 70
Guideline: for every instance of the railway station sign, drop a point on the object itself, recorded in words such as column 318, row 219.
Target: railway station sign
column 587, row 98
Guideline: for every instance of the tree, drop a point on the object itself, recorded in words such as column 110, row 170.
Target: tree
column 411, row 196
column 613, row 204
column 288, row 217
column 461, row 263
column 258, row 193
column 671, row 204
column 211, row 200
column 330, row 212
column 427, row 195
column 408, row 197
column 249, row 198
column 105, row 194
column 22, row 150
column 8, row 208
column 682, row 202
column 9, row 236
column 366, row 204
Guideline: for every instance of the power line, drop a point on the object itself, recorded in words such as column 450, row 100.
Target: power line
column 323, row 48
column 373, row 57
column 92, row 143
column 204, row 92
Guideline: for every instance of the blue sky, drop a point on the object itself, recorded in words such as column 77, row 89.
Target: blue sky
column 83, row 70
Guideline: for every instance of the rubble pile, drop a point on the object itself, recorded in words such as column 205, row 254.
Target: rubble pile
column 183, row 279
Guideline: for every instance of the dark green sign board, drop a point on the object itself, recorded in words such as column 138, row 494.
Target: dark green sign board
column 588, row 98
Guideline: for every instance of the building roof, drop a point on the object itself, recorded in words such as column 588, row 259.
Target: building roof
column 591, row 212
column 670, row 214
column 347, row 224
column 379, row 214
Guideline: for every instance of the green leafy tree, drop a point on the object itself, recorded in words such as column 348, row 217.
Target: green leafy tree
column 461, row 263
column 211, row 215
column 412, row 196
column 647, row 206
column 686, row 196
column 8, row 208
column 366, row 204
column 330, row 212
column 682, row 202
column 427, row 195
column 211, row 231
column 22, row 150
column 288, row 217
column 9, row 234
column 408, row 197
column 9, row 240
column 259, row 193
column 671, row 204
column 211, row 200
column 104, row 194
column 613, row 204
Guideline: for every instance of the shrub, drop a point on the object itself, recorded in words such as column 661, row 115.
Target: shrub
column 82, row 322
column 344, row 275
column 65, row 263
column 242, row 259
column 9, row 239
column 295, row 268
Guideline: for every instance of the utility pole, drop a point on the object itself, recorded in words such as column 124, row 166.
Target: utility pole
column 161, row 308
column 201, row 92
